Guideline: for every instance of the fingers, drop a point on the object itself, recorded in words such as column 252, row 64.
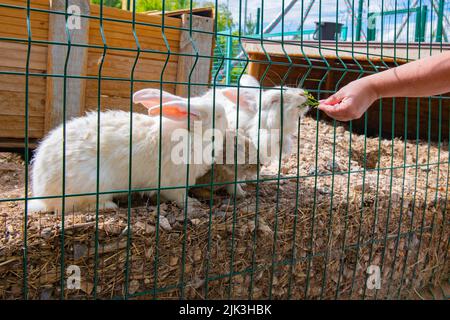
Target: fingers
column 334, row 99
column 342, row 111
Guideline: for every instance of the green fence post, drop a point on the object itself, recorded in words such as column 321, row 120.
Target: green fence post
column 423, row 26
column 258, row 18
column 421, row 21
column 359, row 20
column 371, row 27
column 417, row 26
column 229, row 53
column 440, row 21
column 344, row 33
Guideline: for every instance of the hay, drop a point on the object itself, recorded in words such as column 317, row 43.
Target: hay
column 380, row 222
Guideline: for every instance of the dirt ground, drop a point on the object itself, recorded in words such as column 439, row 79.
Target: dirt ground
column 385, row 202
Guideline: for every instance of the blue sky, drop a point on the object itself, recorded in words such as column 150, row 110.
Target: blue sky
column 328, row 13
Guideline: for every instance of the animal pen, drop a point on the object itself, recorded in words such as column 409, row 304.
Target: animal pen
column 371, row 194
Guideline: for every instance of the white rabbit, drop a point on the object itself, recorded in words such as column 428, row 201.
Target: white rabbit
column 81, row 153
column 224, row 172
column 270, row 116
column 280, row 113
column 246, row 98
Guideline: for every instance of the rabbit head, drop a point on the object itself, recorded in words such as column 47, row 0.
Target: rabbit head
column 291, row 100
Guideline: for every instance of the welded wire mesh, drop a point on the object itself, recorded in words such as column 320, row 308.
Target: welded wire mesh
column 373, row 192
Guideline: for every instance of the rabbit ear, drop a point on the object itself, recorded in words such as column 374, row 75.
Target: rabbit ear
column 271, row 98
column 247, row 99
column 249, row 81
column 174, row 110
column 153, row 97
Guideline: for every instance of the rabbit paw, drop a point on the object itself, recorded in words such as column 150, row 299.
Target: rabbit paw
column 240, row 193
column 108, row 205
column 194, row 209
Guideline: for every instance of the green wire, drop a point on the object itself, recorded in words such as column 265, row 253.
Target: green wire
column 258, row 160
column 211, row 196
column 97, row 193
column 158, row 191
column 415, row 226
column 130, row 155
column 25, row 222
column 183, row 253
column 63, row 199
column 404, row 170
column 297, row 179
column 233, row 229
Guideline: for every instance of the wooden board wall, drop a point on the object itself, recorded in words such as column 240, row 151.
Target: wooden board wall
column 117, row 68
column 13, row 59
column 114, row 66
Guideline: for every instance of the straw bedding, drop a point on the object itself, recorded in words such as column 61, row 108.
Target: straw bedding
column 311, row 238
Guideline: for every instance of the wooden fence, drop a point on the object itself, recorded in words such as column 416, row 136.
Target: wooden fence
column 33, row 62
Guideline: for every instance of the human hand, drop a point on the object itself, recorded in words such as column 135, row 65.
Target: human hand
column 351, row 101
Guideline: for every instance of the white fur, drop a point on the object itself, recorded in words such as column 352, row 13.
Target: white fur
column 81, row 157
column 292, row 108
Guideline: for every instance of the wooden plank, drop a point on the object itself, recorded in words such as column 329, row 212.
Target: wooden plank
column 203, row 43
column 77, row 65
column 20, row 21
column 328, row 50
column 120, row 28
column 20, row 13
column 113, row 88
column 132, row 54
column 128, row 16
column 16, row 83
column 118, row 102
column 12, row 103
column 120, row 43
column 8, row 143
column 14, row 126
column 14, row 55
column 121, row 67
column 21, row 32
column 38, row 4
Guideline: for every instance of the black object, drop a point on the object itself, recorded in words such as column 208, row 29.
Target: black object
column 328, row 30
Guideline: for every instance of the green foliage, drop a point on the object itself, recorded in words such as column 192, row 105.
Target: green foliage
column 109, row 3
column 250, row 25
column 149, row 5
column 312, row 101
column 224, row 16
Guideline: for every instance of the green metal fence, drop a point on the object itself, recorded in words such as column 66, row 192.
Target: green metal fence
column 309, row 232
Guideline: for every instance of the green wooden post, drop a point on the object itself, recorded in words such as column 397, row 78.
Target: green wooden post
column 258, row 18
column 228, row 65
column 359, row 20
column 423, row 26
column 371, row 26
column 421, row 21
column 344, row 33
column 440, row 21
